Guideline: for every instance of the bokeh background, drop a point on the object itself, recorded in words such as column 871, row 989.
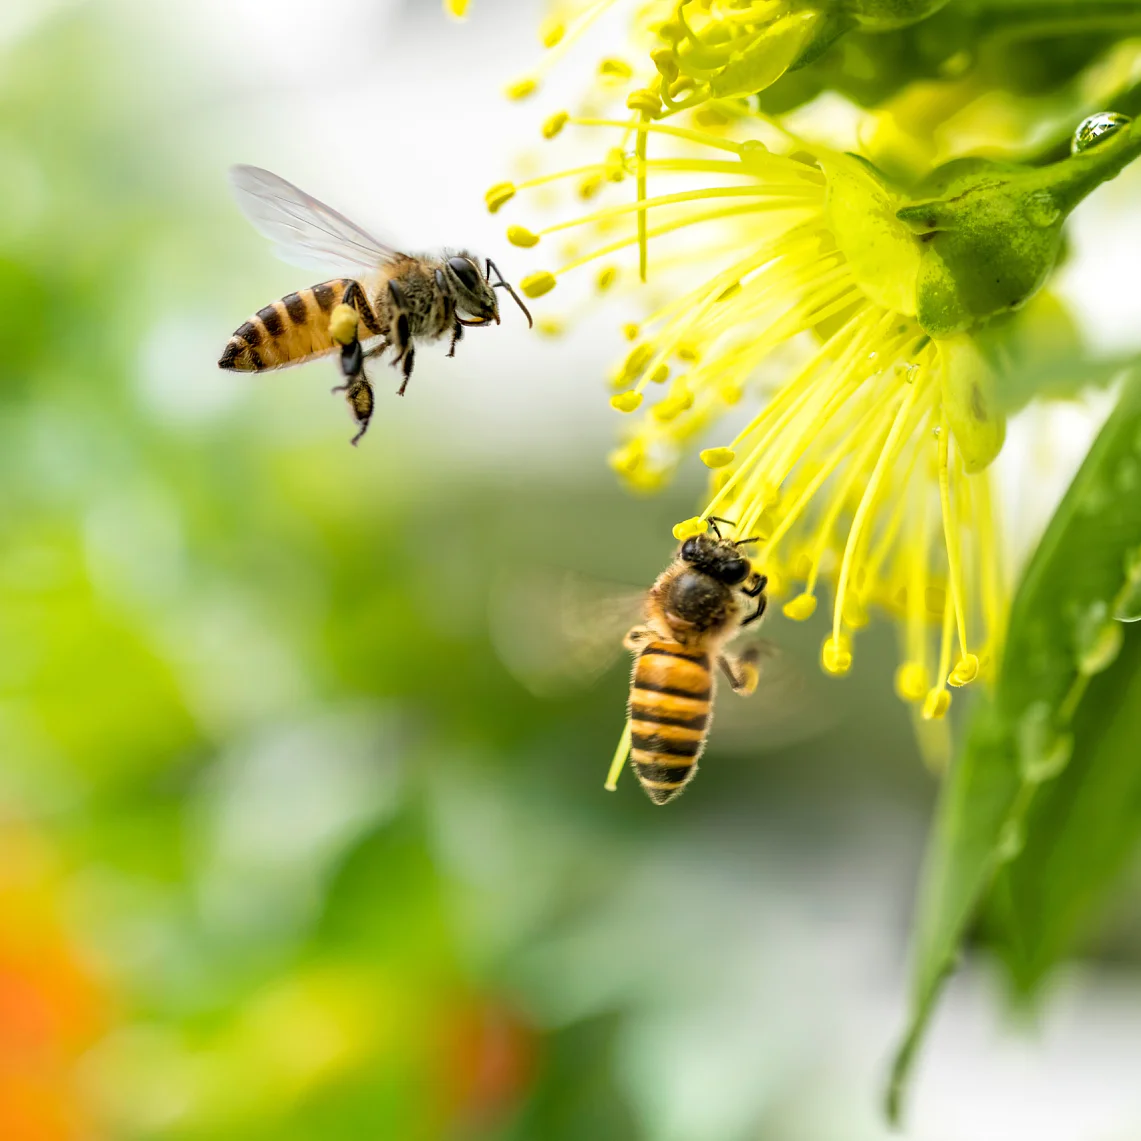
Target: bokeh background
column 302, row 828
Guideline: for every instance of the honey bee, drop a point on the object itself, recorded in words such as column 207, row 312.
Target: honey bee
column 388, row 300
column 697, row 605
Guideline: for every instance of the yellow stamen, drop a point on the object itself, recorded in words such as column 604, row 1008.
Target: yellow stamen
column 690, row 527
column 951, row 534
column 626, row 401
column 521, row 88
column 555, row 124
column 718, row 457
column 521, row 236
column 498, row 195
column 800, row 608
column 536, row 284
column 620, row 755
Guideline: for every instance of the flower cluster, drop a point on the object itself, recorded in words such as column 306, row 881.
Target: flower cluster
column 831, row 334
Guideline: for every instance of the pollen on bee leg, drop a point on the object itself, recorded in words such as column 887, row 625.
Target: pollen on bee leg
column 687, row 528
column 343, row 323
column 800, row 608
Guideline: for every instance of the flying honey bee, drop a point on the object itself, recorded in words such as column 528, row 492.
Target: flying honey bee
column 697, row 605
column 388, row 300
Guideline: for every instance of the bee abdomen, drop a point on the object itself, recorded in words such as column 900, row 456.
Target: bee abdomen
column 670, row 706
column 291, row 330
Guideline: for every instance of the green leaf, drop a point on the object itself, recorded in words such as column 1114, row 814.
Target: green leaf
column 1080, row 828
column 1062, row 633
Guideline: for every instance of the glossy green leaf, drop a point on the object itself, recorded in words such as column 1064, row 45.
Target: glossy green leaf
column 1080, row 828
column 1062, row 634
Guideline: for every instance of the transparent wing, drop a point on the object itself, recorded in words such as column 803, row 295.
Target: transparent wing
column 788, row 705
column 558, row 632
column 305, row 232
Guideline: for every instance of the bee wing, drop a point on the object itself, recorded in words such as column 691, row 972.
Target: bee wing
column 558, row 632
column 787, row 706
column 305, row 232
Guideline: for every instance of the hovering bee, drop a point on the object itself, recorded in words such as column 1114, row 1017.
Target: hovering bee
column 698, row 604
column 397, row 300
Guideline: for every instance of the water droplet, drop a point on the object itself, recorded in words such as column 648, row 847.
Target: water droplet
column 1096, row 128
column 937, row 431
column 1127, row 605
column 1043, row 751
column 1042, row 209
column 907, row 370
column 1011, row 840
column 1098, row 639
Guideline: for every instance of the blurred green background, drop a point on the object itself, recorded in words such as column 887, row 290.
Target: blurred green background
column 302, row 828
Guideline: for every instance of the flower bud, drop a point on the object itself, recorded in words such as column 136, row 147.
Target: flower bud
column 990, row 232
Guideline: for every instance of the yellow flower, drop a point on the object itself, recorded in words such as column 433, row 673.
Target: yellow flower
column 856, row 468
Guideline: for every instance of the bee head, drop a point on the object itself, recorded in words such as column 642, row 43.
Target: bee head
column 474, row 292
column 719, row 558
column 471, row 290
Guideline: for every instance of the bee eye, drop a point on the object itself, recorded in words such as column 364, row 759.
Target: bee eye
column 689, row 550
column 735, row 571
column 469, row 276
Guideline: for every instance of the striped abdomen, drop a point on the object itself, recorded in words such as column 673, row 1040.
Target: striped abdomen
column 295, row 328
column 671, row 700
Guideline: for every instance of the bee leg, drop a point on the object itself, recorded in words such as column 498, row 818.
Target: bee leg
column 637, row 637
column 360, row 399
column 762, row 602
column 741, row 670
column 760, row 581
column 409, row 357
column 457, row 336
column 352, row 365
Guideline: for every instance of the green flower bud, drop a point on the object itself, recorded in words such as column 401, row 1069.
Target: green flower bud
column 991, row 232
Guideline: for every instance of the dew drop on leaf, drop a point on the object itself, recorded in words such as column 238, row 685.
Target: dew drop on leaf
column 1042, row 209
column 1127, row 605
column 1097, row 127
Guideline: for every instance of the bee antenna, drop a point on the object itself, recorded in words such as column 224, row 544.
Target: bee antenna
column 742, row 542
column 507, row 285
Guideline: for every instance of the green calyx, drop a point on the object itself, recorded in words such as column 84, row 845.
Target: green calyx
column 990, row 232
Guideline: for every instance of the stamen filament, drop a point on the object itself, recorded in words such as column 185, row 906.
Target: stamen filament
column 885, row 458
column 620, row 755
column 951, row 531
